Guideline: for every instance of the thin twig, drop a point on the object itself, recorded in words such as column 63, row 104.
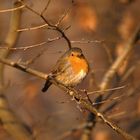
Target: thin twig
column 101, row 92
column 62, row 17
column 31, row 61
column 45, row 42
column 32, row 46
column 108, row 52
column 24, row 47
column 12, row 9
column 46, row 7
column 109, row 100
column 33, row 28
column 53, row 27
column 87, row 41
column 131, row 92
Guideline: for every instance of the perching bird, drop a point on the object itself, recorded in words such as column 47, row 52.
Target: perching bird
column 70, row 70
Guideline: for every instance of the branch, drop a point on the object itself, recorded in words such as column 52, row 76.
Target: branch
column 62, row 17
column 112, row 71
column 118, row 62
column 73, row 93
column 24, row 68
column 46, row 7
column 9, row 121
column 33, row 28
column 48, row 41
column 53, row 27
column 12, row 9
column 11, row 36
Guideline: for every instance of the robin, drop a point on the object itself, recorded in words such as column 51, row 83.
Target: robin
column 71, row 68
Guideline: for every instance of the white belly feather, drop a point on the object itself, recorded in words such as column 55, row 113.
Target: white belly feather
column 77, row 78
column 69, row 79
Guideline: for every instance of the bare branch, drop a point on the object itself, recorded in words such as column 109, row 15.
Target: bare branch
column 62, row 17
column 12, row 9
column 53, row 27
column 112, row 99
column 32, row 46
column 101, row 92
column 46, row 7
column 11, row 36
column 45, row 42
column 9, row 121
column 87, row 41
column 73, row 93
column 111, row 72
column 33, row 28
column 24, row 68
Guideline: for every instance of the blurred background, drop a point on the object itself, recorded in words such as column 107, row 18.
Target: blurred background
column 106, row 25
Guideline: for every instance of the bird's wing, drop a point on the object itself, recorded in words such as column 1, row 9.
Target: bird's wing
column 61, row 65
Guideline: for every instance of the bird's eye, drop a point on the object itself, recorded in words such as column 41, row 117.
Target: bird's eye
column 72, row 54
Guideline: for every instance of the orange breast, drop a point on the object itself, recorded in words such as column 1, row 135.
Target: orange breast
column 78, row 64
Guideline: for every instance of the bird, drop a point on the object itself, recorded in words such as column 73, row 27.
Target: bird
column 70, row 69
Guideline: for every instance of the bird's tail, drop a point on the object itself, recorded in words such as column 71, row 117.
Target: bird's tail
column 46, row 86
